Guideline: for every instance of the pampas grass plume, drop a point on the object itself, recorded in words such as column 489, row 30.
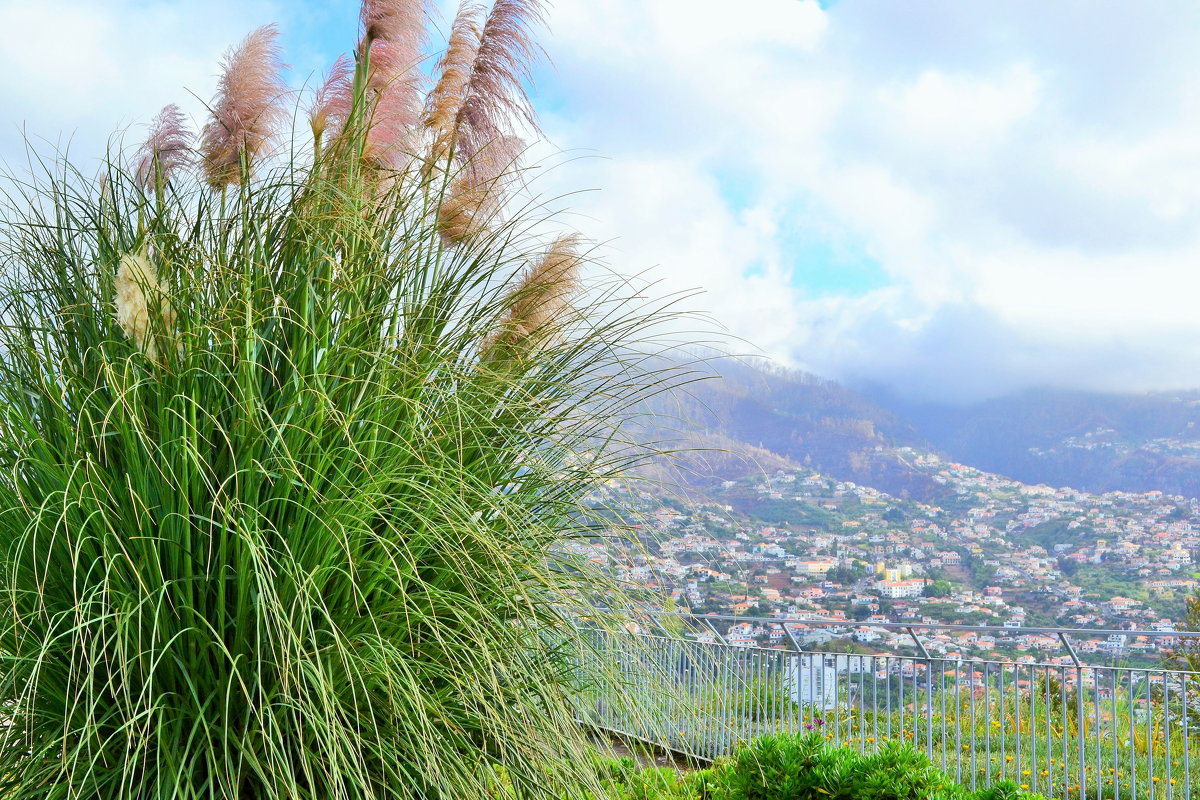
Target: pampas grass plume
column 139, row 296
column 454, row 71
column 477, row 192
column 538, row 303
column 166, row 150
column 330, row 107
column 247, row 109
column 401, row 22
column 394, row 105
column 493, row 95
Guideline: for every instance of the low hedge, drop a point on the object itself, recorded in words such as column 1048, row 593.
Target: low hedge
column 789, row 767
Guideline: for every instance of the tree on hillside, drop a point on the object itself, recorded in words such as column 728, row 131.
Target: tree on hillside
column 1186, row 655
column 938, row 589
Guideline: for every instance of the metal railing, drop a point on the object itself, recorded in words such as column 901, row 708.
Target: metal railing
column 1061, row 729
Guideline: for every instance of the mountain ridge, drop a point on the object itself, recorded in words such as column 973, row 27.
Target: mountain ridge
column 756, row 411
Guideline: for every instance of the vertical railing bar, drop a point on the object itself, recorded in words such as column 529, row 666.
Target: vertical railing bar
column 1149, row 735
column 1187, row 749
column 887, row 692
column 1003, row 723
column 1017, row 709
column 958, row 719
column 862, row 711
column 838, row 707
column 672, row 709
column 1132, row 736
column 987, row 720
column 1064, row 727
column 1033, row 728
column 1096, row 678
column 1066, row 643
column 900, row 684
column 812, row 690
column 777, row 680
column 941, row 693
column 1046, row 670
column 971, row 700
column 915, row 695
column 754, row 689
column 874, row 704
column 733, row 684
column 1080, row 733
column 1166, row 705
column 768, row 690
column 720, row 698
column 795, row 682
column 1113, row 732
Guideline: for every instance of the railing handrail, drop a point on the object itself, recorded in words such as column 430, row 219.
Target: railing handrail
column 975, row 662
column 904, row 626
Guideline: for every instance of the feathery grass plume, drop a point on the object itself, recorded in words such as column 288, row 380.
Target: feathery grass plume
column 539, row 302
column 393, row 104
column 476, row 194
column 247, row 109
column 166, row 150
column 330, row 107
column 327, row 555
column 454, row 75
column 401, row 22
column 142, row 304
column 393, row 37
column 492, row 98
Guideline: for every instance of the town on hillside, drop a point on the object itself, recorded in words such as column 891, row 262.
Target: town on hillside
column 801, row 545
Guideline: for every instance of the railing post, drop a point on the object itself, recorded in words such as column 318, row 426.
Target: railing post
column 1079, row 734
column 928, row 693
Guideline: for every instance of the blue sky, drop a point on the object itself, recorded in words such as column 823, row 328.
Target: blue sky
column 954, row 199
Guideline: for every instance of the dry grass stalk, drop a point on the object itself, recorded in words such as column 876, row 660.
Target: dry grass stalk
column 247, row 110
column 166, row 150
column 141, row 299
column 542, row 298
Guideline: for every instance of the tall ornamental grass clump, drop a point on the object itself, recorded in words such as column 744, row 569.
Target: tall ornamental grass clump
column 289, row 444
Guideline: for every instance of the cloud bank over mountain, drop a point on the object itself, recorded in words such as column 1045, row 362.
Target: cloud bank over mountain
column 1020, row 182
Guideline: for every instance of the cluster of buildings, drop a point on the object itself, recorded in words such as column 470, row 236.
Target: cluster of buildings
column 992, row 552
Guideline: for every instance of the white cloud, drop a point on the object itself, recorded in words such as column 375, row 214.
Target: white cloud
column 79, row 70
column 1030, row 175
column 959, row 113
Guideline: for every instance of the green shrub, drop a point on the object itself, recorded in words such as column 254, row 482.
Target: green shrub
column 787, row 767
